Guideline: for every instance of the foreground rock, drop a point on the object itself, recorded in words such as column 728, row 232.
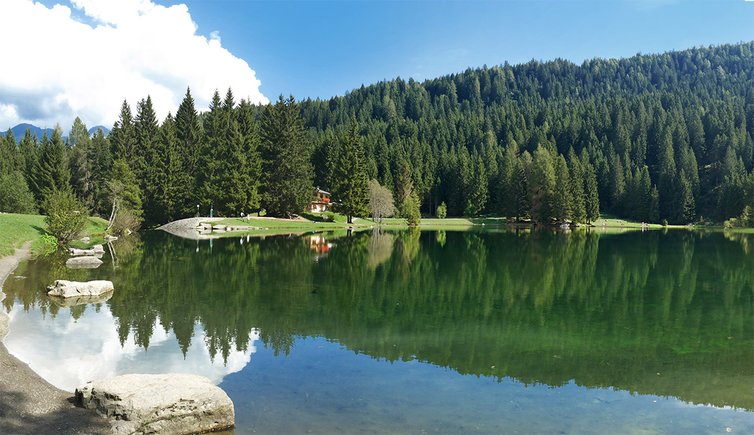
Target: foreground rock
column 74, row 289
column 169, row 403
column 87, row 262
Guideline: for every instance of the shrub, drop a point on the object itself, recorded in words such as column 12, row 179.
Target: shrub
column 15, row 196
column 327, row 216
column 442, row 211
column 125, row 222
column 410, row 210
column 66, row 216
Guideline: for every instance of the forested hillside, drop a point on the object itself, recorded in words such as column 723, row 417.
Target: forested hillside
column 651, row 138
column 669, row 136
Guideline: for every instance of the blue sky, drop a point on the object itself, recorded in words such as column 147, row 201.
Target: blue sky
column 99, row 53
column 325, row 48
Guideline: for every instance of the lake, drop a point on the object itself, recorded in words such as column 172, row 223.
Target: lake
column 453, row 332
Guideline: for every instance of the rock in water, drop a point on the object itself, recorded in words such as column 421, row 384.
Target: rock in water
column 87, row 262
column 169, row 403
column 74, row 289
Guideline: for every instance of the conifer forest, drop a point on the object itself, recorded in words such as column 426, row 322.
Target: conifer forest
column 666, row 137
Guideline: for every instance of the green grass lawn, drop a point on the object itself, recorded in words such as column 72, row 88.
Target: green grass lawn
column 610, row 221
column 275, row 225
column 17, row 229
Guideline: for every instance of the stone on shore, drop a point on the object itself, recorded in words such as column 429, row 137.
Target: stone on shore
column 167, row 403
column 96, row 250
column 74, row 289
column 86, row 262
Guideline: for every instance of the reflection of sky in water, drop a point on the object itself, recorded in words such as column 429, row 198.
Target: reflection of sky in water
column 89, row 348
column 321, row 387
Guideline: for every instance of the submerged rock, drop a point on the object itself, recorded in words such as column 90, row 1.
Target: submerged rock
column 74, row 289
column 167, row 403
column 86, row 262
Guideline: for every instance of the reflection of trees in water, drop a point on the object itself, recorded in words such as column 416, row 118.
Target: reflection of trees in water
column 539, row 306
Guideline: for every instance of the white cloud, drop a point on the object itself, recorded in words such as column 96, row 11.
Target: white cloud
column 62, row 62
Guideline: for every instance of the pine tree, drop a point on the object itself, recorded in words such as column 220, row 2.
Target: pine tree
column 350, row 182
column 122, row 136
column 52, row 173
column 542, row 186
column 561, row 202
column 82, row 174
column 249, row 130
column 102, row 163
column 578, row 200
column 208, row 173
column 287, row 171
column 234, row 175
column 591, row 195
column 190, row 137
column 478, row 193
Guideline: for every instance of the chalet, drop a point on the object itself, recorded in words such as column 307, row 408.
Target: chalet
column 321, row 201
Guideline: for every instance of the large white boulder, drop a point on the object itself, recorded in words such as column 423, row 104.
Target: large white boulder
column 167, row 403
column 74, row 289
column 86, row 262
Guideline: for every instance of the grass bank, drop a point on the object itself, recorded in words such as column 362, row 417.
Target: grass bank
column 17, row 229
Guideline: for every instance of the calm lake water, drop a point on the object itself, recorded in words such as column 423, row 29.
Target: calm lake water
column 451, row 332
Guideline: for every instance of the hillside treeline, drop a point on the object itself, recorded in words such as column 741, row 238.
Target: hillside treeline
column 651, row 138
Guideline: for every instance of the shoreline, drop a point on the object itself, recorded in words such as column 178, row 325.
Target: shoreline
column 28, row 403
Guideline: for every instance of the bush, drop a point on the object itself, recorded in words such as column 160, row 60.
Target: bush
column 15, row 196
column 66, row 216
column 125, row 222
column 410, row 210
column 442, row 211
column 327, row 216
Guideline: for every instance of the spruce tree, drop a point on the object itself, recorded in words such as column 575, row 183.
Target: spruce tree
column 52, row 173
column 591, row 195
column 190, row 137
column 122, row 136
column 250, row 134
column 82, row 172
column 286, row 154
column 350, row 182
column 561, row 202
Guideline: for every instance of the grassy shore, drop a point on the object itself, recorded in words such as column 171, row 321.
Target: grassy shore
column 267, row 225
column 17, row 229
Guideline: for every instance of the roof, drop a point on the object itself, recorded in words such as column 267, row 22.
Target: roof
column 322, row 191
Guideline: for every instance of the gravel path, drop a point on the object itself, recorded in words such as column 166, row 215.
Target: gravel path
column 28, row 403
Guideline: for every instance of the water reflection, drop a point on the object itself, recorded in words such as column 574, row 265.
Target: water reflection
column 68, row 352
column 651, row 313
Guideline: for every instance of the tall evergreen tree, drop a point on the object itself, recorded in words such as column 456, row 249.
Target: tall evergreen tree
column 122, row 136
column 288, row 173
column 350, row 182
column 52, row 173
column 82, row 174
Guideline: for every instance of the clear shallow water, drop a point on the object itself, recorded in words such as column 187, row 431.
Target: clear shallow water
column 421, row 332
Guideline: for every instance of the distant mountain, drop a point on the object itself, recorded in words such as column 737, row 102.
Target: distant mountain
column 20, row 130
column 94, row 129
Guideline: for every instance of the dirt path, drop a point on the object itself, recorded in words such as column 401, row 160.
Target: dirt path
column 28, row 403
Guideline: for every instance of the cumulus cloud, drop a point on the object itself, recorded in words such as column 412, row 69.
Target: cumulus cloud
column 85, row 59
